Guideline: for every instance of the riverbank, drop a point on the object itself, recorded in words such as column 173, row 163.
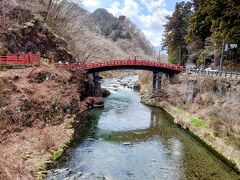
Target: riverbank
column 208, row 108
column 37, row 108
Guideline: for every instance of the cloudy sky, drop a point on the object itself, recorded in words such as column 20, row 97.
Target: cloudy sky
column 148, row 15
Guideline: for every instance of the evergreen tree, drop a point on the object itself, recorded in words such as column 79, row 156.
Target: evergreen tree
column 175, row 32
column 217, row 19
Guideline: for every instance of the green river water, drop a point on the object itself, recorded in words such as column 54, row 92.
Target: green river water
column 128, row 140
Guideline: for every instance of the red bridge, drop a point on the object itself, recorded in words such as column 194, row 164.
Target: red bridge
column 100, row 66
column 156, row 67
column 91, row 67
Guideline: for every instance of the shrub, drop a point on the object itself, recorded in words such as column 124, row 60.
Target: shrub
column 4, row 52
column 57, row 154
column 11, row 170
column 197, row 122
column 47, row 141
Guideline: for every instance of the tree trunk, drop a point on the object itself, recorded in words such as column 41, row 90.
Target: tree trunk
column 3, row 11
column 217, row 55
column 48, row 9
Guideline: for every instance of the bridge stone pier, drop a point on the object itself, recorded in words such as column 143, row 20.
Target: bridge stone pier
column 97, row 84
column 156, row 82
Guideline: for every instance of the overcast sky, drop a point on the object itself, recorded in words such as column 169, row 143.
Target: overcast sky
column 148, row 15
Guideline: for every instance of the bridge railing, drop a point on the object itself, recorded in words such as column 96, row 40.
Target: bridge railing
column 134, row 62
column 20, row 59
column 214, row 73
column 93, row 65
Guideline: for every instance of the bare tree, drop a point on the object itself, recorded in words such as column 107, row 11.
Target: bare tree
column 48, row 9
column 3, row 11
column 67, row 19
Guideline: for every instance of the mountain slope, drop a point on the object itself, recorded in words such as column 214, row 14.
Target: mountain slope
column 122, row 31
column 88, row 36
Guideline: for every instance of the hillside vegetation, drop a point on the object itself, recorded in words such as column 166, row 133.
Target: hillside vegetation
column 202, row 32
column 63, row 26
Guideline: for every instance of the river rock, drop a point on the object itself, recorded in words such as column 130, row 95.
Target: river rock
column 126, row 143
column 125, row 84
column 98, row 102
column 90, row 101
column 137, row 87
column 76, row 176
column 105, row 92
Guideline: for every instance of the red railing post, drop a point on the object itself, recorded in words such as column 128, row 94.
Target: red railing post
column 39, row 58
column 30, row 58
column 26, row 59
column 15, row 59
column 6, row 59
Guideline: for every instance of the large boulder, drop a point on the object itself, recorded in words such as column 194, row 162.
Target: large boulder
column 105, row 92
column 92, row 102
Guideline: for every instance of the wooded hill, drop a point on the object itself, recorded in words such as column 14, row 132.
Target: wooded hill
column 62, row 30
column 198, row 31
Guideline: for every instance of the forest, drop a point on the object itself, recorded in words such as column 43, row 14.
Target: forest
column 206, row 33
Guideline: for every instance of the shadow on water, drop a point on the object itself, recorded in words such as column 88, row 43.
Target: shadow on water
column 86, row 126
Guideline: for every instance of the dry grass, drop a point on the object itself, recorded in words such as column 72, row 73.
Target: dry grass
column 24, row 153
column 39, row 93
column 10, row 170
column 47, row 142
column 23, row 148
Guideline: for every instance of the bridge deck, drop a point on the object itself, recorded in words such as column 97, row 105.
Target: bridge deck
column 116, row 64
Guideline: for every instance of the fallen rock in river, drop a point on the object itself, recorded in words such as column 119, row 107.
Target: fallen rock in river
column 76, row 176
column 137, row 87
column 93, row 102
column 105, row 92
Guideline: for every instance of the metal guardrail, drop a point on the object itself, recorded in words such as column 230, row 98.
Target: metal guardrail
column 20, row 59
column 93, row 65
column 214, row 73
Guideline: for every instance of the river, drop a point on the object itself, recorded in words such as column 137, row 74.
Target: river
column 128, row 140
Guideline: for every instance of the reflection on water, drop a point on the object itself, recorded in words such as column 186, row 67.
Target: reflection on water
column 127, row 140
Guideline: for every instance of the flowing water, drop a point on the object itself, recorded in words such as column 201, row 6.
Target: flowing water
column 128, row 140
